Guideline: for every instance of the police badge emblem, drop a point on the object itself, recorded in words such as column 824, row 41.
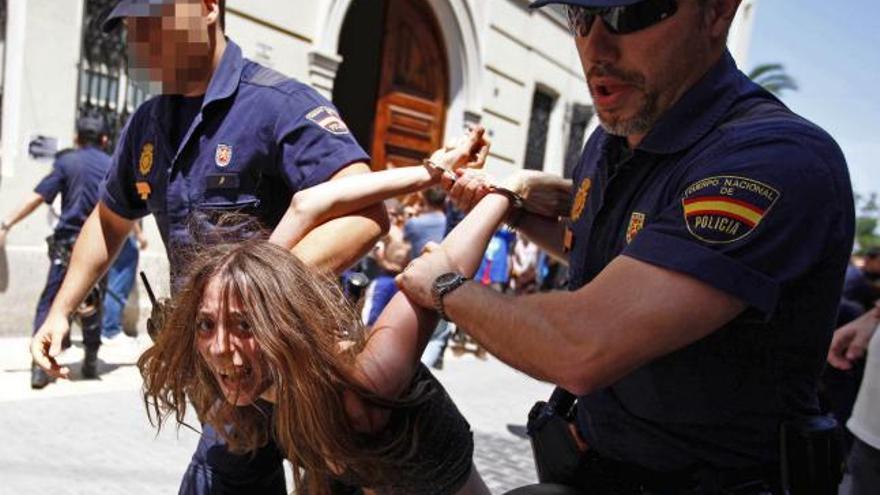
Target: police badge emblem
column 580, row 199
column 636, row 222
column 223, row 155
column 146, row 162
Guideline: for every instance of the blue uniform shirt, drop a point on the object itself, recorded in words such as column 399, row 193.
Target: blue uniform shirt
column 258, row 138
column 77, row 175
column 733, row 189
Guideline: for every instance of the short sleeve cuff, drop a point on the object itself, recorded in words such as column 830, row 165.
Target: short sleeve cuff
column 44, row 192
column 707, row 265
column 116, row 206
column 334, row 163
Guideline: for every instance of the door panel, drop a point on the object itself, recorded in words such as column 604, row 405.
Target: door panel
column 413, row 94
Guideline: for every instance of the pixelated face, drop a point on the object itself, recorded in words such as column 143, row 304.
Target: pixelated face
column 170, row 50
column 226, row 344
column 633, row 78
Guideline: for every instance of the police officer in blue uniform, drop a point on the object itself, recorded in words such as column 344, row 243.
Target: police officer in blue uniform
column 226, row 134
column 76, row 175
column 708, row 238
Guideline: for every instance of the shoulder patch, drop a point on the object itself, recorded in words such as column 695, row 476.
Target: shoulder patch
column 726, row 208
column 328, row 119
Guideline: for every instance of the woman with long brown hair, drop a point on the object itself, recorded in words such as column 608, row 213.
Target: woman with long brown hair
column 254, row 326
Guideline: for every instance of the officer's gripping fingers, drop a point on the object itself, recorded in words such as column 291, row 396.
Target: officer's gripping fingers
column 859, row 345
column 838, row 350
column 456, row 191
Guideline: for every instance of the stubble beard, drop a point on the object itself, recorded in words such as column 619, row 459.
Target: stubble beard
column 640, row 123
column 646, row 115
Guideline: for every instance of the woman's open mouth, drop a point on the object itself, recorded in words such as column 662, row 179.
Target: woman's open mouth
column 233, row 377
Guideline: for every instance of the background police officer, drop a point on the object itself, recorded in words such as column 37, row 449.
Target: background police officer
column 76, row 175
column 226, row 134
column 708, row 238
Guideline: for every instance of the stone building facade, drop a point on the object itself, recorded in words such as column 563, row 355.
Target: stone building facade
column 406, row 75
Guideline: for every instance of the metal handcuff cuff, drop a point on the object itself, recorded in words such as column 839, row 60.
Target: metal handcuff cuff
column 516, row 201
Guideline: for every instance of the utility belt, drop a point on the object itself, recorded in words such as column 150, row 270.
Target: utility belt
column 603, row 475
column 60, row 248
column 810, row 453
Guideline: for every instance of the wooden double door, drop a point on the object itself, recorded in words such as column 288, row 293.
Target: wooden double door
column 413, row 92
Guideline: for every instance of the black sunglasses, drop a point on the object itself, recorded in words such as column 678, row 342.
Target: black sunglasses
column 624, row 19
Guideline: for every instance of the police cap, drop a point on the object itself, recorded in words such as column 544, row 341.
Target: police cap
column 134, row 8
column 91, row 124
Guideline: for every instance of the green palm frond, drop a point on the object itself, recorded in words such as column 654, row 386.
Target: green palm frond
column 773, row 78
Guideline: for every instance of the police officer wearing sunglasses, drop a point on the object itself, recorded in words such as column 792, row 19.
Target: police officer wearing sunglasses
column 707, row 243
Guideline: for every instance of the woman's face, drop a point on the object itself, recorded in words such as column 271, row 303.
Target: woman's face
column 225, row 342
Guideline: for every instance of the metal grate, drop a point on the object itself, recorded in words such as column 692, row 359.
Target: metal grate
column 542, row 106
column 104, row 86
column 580, row 120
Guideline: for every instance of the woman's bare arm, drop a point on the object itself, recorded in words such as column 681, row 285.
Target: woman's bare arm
column 400, row 334
column 315, row 205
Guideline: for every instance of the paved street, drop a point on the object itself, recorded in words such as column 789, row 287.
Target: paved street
column 92, row 437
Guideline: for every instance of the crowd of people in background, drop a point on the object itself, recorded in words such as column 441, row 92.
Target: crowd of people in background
column 511, row 264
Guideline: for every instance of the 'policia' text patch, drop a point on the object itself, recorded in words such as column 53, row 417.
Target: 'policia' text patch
column 725, row 209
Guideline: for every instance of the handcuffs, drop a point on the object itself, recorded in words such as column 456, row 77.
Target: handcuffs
column 516, row 201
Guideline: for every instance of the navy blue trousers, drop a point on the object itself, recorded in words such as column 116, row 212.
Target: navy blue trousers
column 213, row 470
column 91, row 324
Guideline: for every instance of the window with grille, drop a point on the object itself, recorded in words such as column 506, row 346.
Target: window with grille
column 539, row 124
column 104, row 86
column 580, row 120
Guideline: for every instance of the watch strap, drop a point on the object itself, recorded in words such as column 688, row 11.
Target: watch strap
column 440, row 291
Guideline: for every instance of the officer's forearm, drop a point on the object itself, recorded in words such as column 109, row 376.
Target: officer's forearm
column 96, row 246
column 546, row 232
column 337, row 244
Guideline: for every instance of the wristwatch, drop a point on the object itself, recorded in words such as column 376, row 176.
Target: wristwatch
column 4, row 226
column 444, row 284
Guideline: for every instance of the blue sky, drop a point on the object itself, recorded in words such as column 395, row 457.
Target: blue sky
column 832, row 49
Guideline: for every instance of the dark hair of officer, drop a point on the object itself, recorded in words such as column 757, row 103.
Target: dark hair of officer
column 91, row 131
column 308, row 339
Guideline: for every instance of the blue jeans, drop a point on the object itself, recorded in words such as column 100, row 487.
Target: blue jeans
column 120, row 280
column 434, row 350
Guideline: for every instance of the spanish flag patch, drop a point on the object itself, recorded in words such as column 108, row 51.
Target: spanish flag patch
column 725, row 209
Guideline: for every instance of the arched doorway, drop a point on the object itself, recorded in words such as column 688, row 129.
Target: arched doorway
column 393, row 93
